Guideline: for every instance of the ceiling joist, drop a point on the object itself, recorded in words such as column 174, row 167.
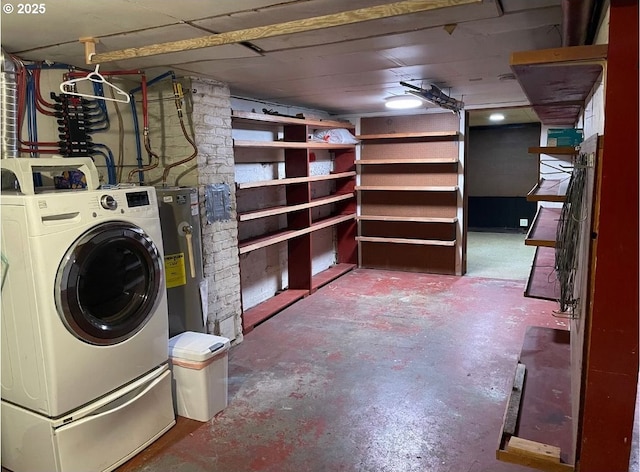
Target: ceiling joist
column 290, row 27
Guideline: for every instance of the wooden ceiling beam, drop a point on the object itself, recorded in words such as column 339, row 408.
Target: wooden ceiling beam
column 279, row 29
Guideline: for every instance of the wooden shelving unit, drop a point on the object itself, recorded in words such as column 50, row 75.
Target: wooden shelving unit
column 409, row 194
column 302, row 219
column 548, row 381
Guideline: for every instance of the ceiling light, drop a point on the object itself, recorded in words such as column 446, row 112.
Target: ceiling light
column 402, row 102
column 496, row 117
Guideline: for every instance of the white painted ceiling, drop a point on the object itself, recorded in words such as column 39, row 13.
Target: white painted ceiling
column 343, row 70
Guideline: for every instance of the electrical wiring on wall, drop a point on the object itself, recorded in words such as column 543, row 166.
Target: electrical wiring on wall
column 572, row 215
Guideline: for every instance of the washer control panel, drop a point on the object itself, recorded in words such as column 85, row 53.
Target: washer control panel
column 108, row 202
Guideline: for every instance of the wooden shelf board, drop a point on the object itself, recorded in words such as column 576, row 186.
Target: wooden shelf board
column 290, row 145
column 435, row 160
column 408, row 219
column 330, row 274
column 268, row 308
column 246, row 116
column 547, row 191
column 543, row 228
column 284, row 235
column 295, row 180
column 267, row 240
column 436, row 135
column 405, row 188
column 557, row 151
column 557, row 81
column 542, row 282
column 419, row 242
column 539, row 435
column 331, row 221
column 280, row 210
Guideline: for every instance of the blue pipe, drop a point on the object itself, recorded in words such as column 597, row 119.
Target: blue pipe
column 136, row 132
column 111, row 165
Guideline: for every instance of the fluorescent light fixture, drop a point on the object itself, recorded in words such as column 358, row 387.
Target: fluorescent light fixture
column 402, row 102
column 496, row 117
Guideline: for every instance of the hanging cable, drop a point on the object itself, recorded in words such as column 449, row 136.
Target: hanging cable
column 572, row 215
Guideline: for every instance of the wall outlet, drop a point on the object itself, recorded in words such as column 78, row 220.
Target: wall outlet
column 524, row 222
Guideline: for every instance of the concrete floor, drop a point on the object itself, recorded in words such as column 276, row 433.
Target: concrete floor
column 379, row 371
column 498, row 255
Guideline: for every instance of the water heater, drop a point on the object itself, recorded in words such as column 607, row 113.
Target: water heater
column 186, row 287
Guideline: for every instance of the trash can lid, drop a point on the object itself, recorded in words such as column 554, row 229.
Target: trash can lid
column 197, row 346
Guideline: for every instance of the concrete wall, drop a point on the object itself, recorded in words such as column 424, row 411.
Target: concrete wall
column 498, row 164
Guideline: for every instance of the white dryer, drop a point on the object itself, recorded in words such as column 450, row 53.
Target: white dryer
column 84, row 307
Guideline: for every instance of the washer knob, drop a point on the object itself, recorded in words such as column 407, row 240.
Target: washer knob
column 108, row 202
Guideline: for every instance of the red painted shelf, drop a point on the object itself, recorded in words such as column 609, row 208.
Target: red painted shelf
column 268, row 308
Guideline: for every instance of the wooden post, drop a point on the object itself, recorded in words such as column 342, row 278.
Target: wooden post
column 611, row 351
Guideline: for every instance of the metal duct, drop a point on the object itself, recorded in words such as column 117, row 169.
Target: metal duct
column 576, row 19
column 9, row 97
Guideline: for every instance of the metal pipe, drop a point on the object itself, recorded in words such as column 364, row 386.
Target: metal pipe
column 577, row 15
column 9, row 104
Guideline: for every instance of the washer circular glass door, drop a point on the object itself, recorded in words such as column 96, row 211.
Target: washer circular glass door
column 108, row 283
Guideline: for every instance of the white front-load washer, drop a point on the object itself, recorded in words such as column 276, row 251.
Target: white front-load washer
column 84, row 308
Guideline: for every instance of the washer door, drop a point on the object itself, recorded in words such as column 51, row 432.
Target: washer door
column 108, row 283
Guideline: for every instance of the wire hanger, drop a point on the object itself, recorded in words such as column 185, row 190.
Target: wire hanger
column 96, row 77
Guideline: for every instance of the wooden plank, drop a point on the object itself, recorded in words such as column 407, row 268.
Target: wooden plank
column 418, row 242
column 554, row 150
column 249, row 117
column 558, row 81
column 533, row 462
column 544, row 227
column 434, row 160
column 513, row 407
column 280, row 210
column 408, row 257
column 533, row 449
column 331, row 221
column 289, row 145
column 409, row 219
column 597, row 52
column 423, row 134
column 280, row 29
column 281, row 236
column 548, row 190
column 268, row 308
column 330, row 274
column 396, row 188
column 294, row 180
column 545, row 405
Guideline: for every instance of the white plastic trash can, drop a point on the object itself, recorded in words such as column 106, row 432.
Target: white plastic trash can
column 200, row 367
